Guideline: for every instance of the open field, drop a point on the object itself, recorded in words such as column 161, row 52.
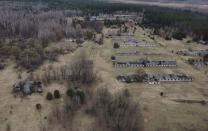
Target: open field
column 164, row 113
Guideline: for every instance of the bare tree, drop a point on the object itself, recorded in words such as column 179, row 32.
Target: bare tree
column 118, row 112
column 82, row 69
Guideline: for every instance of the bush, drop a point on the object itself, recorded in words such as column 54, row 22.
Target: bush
column 113, row 57
column 116, row 45
column 38, row 106
column 179, row 35
column 70, row 92
column 56, row 94
column 49, row 96
column 161, row 94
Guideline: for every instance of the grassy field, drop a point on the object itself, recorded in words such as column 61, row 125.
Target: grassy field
column 163, row 113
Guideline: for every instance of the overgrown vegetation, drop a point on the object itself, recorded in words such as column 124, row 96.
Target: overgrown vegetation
column 113, row 112
column 26, row 29
column 82, row 69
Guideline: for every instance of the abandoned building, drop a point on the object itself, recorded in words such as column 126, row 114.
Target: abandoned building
column 145, row 63
column 117, row 17
column 193, row 53
column 127, row 78
column 115, row 34
column 130, row 41
column 154, row 79
column 198, row 62
column 128, row 53
column 28, row 87
column 158, row 78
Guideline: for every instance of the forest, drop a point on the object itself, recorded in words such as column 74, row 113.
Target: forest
column 179, row 22
column 46, row 22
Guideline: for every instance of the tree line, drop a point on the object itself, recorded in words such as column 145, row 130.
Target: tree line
column 176, row 23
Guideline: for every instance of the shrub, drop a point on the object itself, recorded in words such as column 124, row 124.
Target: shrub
column 70, row 92
column 56, row 94
column 113, row 57
column 116, row 45
column 179, row 35
column 38, row 106
column 49, row 96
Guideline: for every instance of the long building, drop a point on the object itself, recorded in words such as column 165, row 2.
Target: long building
column 158, row 78
column 145, row 63
column 154, row 79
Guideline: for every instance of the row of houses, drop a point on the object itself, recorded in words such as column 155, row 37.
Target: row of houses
column 115, row 17
column 127, row 53
column 145, row 63
column 133, row 44
column 130, row 41
column 156, row 78
column 193, row 53
column 115, row 34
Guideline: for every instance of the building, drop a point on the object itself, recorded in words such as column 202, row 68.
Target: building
column 127, row 78
column 28, row 87
column 145, row 63
column 193, row 53
column 158, row 78
column 116, row 17
column 155, row 79
column 126, row 41
column 128, row 53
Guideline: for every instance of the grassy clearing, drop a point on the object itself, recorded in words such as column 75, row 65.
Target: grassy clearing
column 162, row 113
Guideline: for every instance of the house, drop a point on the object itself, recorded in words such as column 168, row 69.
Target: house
column 28, row 87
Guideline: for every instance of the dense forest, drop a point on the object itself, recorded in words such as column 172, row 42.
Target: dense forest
column 26, row 30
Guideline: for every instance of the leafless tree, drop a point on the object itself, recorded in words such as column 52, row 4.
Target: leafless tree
column 82, row 69
column 118, row 112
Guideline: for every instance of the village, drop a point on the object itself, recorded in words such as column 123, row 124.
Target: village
column 168, row 78
column 124, row 40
